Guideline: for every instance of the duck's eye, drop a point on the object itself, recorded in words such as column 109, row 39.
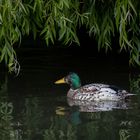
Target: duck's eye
column 68, row 79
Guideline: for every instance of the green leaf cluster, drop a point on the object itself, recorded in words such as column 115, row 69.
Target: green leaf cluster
column 59, row 20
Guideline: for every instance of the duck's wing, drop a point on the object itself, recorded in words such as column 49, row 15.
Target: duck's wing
column 89, row 92
column 96, row 85
column 112, row 89
column 98, row 92
column 94, row 88
column 105, row 92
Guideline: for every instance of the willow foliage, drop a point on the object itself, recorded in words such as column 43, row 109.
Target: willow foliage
column 60, row 19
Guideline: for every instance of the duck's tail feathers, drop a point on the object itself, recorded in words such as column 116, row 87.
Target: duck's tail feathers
column 129, row 96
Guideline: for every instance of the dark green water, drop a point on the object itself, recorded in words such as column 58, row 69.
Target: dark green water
column 32, row 107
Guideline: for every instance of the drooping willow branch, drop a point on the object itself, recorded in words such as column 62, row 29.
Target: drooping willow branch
column 61, row 19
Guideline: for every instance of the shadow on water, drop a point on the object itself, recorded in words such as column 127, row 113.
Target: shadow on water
column 33, row 108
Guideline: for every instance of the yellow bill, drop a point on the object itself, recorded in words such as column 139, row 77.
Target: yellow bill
column 61, row 81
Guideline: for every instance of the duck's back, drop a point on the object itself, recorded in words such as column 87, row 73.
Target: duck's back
column 97, row 92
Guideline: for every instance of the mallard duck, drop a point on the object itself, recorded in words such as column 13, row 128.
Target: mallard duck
column 92, row 92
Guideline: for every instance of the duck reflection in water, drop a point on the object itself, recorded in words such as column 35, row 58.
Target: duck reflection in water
column 97, row 106
column 72, row 114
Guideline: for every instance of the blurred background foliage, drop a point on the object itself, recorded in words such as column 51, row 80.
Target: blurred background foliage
column 60, row 20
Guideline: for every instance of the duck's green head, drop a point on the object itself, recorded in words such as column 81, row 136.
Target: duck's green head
column 72, row 79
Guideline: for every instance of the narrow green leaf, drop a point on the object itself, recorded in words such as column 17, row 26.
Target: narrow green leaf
column 75, row 37
column 66, row 19
column 127, row 42
column 3, row 53
column 66, row 2
column 61, row 33
column 132, row 6
column 22, row 6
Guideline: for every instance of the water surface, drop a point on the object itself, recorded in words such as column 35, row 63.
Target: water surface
column 34, row 108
